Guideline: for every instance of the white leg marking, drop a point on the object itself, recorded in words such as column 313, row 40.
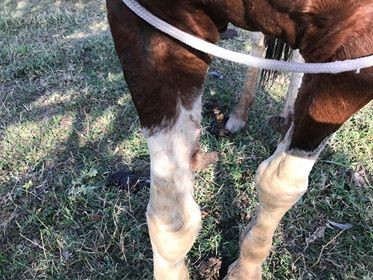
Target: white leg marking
column 173, row 216
column 284, row 175
column 295, row 83
column 234, row 124
column 281, row 180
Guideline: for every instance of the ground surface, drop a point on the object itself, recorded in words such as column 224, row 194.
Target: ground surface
column 67, row 121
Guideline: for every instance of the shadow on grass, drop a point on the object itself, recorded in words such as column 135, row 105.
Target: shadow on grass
column 65, row 189
column 299, row 224
column 233, row 174
column 78, row 227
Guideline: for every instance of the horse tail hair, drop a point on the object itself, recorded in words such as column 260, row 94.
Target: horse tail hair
column 275, row 49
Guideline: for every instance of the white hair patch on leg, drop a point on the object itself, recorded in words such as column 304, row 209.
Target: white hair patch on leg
column 174, row 218
column 294, row 85
column 281, row 180
column 234, row 124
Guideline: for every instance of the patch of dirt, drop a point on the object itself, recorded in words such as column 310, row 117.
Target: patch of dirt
column 128, row 180
column 210, row 269
column 213, row 110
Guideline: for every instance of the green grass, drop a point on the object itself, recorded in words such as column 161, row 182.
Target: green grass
column 67, row 121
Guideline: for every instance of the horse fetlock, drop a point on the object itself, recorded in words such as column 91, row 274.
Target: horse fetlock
column 282, row 180
column 255, row 245
column 164, row 270
column 242, row 270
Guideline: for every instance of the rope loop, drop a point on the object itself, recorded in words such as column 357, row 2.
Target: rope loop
column 246, row 59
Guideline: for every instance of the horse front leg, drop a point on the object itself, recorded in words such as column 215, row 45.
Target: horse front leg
column 173, row 216
column 323, row 104
column 281, row 181
column 294, row 85
column 282, row 123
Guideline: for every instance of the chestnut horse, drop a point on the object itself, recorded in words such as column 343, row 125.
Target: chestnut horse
column 166, row 78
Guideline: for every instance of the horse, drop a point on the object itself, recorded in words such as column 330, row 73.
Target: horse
column 271, row 48
column 166, row 77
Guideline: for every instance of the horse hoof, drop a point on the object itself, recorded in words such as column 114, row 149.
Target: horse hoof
column 234, row 124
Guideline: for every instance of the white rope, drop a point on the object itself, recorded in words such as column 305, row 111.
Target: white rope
column 249, row 60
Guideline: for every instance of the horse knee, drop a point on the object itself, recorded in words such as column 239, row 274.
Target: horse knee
column 283, row 178
column 173, row 226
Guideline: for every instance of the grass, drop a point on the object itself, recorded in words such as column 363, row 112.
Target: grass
column 67, row 121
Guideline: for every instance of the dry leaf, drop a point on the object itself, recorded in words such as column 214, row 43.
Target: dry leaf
column 211, row 268
column 318, row 234
column 358, row 179
column 96, row 218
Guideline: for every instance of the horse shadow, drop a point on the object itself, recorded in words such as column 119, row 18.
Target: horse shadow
column 231, row 187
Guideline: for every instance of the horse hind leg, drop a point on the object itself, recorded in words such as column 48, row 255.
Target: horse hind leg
column 294, row 85
column 238, row 118
column 282, row 123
